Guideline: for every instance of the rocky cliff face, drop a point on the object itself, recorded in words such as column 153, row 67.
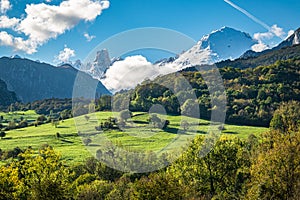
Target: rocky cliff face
column 35, row 81
column 99, row 66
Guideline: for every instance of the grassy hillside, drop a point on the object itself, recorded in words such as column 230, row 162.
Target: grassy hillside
column 138, row 136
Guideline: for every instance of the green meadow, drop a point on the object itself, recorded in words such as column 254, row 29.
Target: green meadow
column 137, row 136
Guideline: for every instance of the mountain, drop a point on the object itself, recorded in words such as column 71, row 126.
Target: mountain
column 32, row 80
column 99, row 66
column 223, row 44
column 266, row 58
column 292, row 40
column 6, row 97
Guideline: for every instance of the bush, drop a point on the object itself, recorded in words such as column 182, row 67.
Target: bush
column 2, row 134
column 23, row 124
column 87, row 141
column 41, row 118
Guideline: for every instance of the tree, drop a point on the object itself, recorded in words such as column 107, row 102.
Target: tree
column 55, row 123
column 185, row 125
column 12, row 124
column 275, row 173
column 35, row 176
column 219, row 174
column 125, row 115
column 41, row 118
column 155, row 120
column 287, row 117
column 87, row 141
column 87, row 118
column 190, row 108
column 2, row 134
column 23, row 124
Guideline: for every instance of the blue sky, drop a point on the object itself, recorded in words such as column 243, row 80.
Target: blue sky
column 30, row 34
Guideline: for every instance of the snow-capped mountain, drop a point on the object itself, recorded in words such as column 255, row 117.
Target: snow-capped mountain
column 223, row 44
column 99, row 66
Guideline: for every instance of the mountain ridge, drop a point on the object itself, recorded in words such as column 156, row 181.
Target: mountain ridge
column 292, row 40
column 42, row 80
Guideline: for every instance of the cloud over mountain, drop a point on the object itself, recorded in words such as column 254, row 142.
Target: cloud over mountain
column 128, row 73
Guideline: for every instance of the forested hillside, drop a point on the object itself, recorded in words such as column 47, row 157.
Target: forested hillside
column 253, row 94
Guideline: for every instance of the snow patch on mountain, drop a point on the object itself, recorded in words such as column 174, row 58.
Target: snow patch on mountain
column 223, row 44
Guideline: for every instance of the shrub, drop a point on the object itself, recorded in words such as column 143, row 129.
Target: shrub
column 87, row 141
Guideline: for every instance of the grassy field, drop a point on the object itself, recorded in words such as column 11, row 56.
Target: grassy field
column 137, row 136
column 29, row 115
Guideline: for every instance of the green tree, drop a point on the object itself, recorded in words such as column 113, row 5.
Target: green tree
column 125, row 115
column 220, row 174
column 35, row 176
column 87, row 141
column 287, row 117
column 190, row 108
column 2, row 134
column 275, row 173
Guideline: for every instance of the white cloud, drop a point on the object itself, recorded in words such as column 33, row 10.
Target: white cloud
column 89, row 37
column 4, row 6
column 43, row 22
column 65, row 55
column 263, row 36
column 259, row 47
column 268, row 38
column 6, row 22
column 6, row 39
column 18, row 43
column 274, row 31
column 277, row 31
column 130, row 72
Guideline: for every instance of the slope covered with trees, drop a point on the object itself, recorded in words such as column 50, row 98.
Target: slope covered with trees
column 253, row 94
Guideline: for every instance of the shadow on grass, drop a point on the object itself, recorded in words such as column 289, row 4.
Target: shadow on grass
column 94, row 145
column 66, row 141
column 140, row 114
column 174, row 131
column 202, row 132
column 230, row 132
column 6, row 138
column 62, row 127
column 140, row 122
